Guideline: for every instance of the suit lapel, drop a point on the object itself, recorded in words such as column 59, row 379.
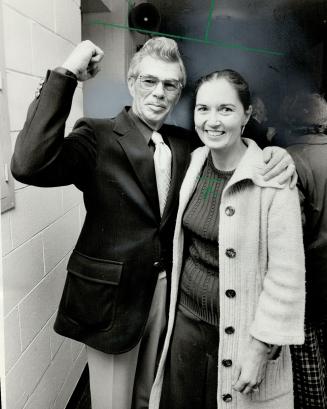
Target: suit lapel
column 140, row 158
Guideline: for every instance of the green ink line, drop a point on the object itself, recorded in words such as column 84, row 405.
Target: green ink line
column 212, row 6
column 206, row 191
column 130, row 5
column 194, row 39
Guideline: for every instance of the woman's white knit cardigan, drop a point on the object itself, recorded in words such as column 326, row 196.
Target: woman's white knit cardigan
column 267, row 275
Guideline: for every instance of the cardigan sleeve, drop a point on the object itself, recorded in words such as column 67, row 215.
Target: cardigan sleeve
column 279, row 317
column 42, row 155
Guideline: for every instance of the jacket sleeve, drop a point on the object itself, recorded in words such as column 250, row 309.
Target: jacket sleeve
column 42, row 155
column 305, row 181
column 279, row 316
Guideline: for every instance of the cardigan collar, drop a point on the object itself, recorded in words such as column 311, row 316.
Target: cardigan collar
column 250, row 166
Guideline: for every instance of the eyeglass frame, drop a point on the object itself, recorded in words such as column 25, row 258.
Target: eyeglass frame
column 178, row 83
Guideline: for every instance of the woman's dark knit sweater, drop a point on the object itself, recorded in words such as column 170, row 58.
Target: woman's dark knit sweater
column 200, row 275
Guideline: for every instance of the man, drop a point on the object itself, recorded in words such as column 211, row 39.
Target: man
column 114, row 296
column 306, row 116
column 257, row 124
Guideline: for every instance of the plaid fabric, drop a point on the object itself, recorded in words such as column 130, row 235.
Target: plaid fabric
column 309, row 368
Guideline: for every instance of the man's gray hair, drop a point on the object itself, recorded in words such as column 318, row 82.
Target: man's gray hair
column 161, row 48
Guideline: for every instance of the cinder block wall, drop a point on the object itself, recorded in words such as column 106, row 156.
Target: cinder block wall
column 41, row 368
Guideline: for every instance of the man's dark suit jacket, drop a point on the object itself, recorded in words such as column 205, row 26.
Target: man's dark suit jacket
column 124, row 243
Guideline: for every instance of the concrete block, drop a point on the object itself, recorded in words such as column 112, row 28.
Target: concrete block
column 23, row 269
column 41, row 303
column 71, row 197
column 21, row 91
column 56, row 340
column 13, row 138
column 60, row 238
column 82, row 214
column 41, row 11
column 27, row 372
column 17, row 40
column 36, row 208
column 68, row 20
column 71, row 381
column 13, row 347
column 76, row 348
column 52, row 381
column 45, row 50
column 6, row 233
column 77, row 108
column 64, row 48
column 68, row 130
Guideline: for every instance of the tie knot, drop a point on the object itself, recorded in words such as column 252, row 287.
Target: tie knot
column 156, row 137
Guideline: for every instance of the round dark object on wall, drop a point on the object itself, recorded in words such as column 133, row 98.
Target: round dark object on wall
column 144, row 16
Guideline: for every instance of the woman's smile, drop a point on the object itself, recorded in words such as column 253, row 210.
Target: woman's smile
column 214, row 133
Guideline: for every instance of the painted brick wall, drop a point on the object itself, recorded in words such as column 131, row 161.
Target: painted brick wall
column 41, row 368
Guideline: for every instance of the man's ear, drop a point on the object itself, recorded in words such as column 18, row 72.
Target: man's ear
column 178, row 97
column 131, row 85
column 248, row 113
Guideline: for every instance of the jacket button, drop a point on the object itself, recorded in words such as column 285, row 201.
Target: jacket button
column 231, row 253
column 229, row 330
column 227, row 363
column 227, row 397
column 229, row 211
column 230, row 293
column 156, row 264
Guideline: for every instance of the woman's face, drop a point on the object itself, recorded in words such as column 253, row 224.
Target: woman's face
column 219, row 115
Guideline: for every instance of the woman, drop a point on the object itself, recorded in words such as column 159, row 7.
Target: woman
column 234, row 303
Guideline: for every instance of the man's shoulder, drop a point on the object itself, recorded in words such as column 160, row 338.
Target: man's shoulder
column 95, row 123
column 179, row 132
column 176, row 130
column 308, row 149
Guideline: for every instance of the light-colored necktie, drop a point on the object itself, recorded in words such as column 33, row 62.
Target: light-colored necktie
column 162, row 165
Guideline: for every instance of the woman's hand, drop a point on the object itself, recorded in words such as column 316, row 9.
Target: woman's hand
column 250, row 369
column 279, row 163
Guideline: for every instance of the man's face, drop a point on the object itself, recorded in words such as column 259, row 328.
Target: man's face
column 153, row 105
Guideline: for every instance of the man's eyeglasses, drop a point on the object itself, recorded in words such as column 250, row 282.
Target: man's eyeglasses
column 148, row 82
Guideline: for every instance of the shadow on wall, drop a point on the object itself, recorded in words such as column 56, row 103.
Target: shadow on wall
column 105, row 98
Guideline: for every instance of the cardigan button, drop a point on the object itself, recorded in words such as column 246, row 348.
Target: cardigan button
column 227, row 363
column 231, row 253
column 229, row 211
column 227, row 397
column 229, row 330
column 230, row 293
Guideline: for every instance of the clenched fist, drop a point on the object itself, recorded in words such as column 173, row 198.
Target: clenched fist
column 84, row 60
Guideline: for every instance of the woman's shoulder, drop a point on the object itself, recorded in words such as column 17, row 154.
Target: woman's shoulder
column 199, row 155
column 251, row 167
